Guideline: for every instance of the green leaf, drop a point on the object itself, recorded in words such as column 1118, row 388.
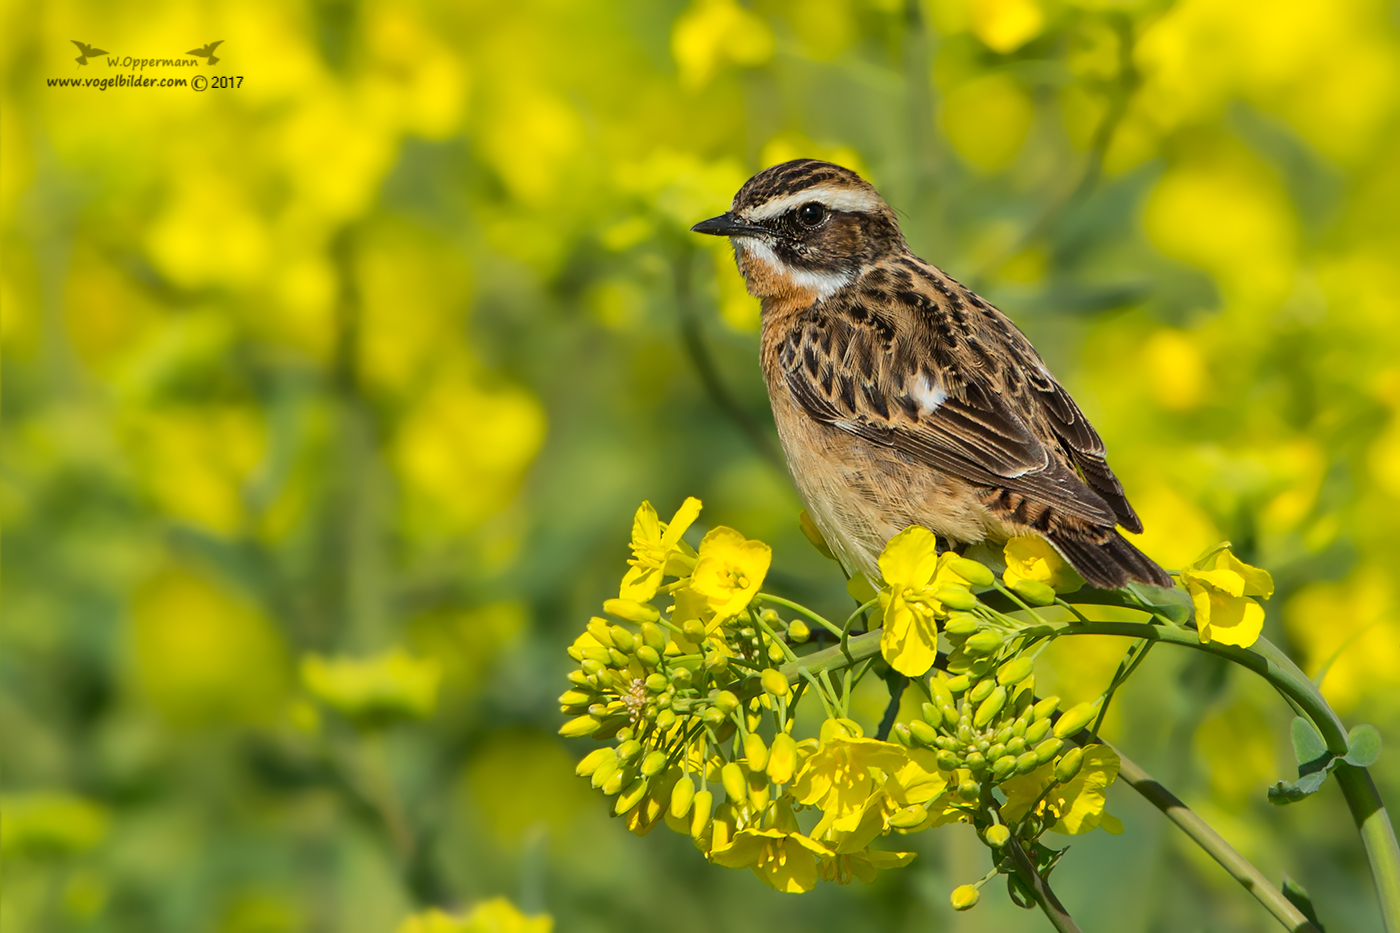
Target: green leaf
column 1309, row 748
column 1363, row 745
column 1172, row 604
column 1300, row 899
column 1286, row 792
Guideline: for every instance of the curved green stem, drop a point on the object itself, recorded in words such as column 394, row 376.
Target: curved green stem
column 798, row 607
column 1040, row 888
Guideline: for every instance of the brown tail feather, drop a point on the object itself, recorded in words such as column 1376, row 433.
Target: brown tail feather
column 1110, row 563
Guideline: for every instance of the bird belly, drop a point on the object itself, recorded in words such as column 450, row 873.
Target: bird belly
column 861, row 494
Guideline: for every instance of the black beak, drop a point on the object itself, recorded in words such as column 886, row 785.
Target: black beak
column 727, row 224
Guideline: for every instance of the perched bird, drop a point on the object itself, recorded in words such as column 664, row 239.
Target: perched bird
column 903, row 398
column 207, row 52
column 85, row 51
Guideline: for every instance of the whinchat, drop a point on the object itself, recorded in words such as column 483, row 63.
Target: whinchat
column 903, row 398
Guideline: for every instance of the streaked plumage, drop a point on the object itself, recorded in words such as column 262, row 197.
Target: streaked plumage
column 902, row 398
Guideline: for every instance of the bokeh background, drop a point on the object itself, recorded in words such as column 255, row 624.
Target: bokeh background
column 380, row 351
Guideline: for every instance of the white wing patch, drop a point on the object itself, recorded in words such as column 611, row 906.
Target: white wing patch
column 833, row 197
column 928, row 394
column 824, row 284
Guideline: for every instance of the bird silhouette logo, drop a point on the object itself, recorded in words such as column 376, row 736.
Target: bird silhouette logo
column 86, row 50
column 207, row 51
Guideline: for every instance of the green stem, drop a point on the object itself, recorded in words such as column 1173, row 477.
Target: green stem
column 1240, row 868
column 798, row 607
column 1040, row 888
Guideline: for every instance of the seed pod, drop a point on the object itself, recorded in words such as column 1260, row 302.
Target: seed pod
column 1048, row 749
column 955, row 597
column 774, row 682
column 1037, row 731
column 700, row 813
column 971, row 571
column 657, row 682
column 983, row 642
column 1034, row 592
column 755, row 752
column 693, row 629
column 1045, row 707
column 736, row 786
column 947, row 761
column 994, row 752
column 981, row 690
column 782, row 758
column 648, row 655
column 654, row 762
column 799, row 631
column 900, row 733
column 1069, row 764
column 579, row 726
column 997, row 835
column 922, row 732
column 1003, row 767
column 990, row 707
column 593, row 760
column 965, row 897
column 975, row 762
column 1075, row 719
column 630, row 797
column 931, row 713
column 628, row 750
column 1014, row 671
column 682, row 795
column 631, row 610
column 961, row 623
column 958, row 684
column 908, row 817
column 1026, row 763
column 665, row 719
column 654, row 636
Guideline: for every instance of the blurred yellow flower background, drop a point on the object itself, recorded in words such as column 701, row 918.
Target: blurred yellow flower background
column 326, row 397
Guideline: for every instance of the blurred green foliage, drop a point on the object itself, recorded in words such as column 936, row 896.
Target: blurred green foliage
column 375, row 356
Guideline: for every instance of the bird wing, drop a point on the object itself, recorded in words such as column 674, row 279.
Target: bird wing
column 915, row 382
column 212, row 46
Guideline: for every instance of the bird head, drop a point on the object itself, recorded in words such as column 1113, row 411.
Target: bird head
column 805, row 229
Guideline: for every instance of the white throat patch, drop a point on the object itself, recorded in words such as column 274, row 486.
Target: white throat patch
column 824, row 284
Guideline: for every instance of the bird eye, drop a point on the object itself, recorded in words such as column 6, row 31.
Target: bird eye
column 811, row 214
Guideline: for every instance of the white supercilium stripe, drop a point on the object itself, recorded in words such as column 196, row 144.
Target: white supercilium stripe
column 825, row 284
column 833, row 197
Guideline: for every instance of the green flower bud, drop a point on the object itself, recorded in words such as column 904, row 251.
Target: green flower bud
column 1026, row 763
column 938, row 690
column 606, row 768
column 955, row 597
column 990, row 707
column 975, row 762
column 1069, row 764
column 1016, row 745
column 716, row 663
column 1037, row 731
column 631, row 610
column 770, row 617
column 774, row 682
column 775, row 652
column 964, row 731
column 962, row 623
column 657, row 682
column 592, row 666
column 981, row 667
column 600, row 630
column 1003, row 766
column 958, row 684
column 736, row 785
column 1045, row 707
column 630, row 797
column 624, row 733
column 759, row 791
column 909, row 817
column 617, row 658
column 755, row 752
column 968, row 790
column 947, row 761
column 1075, row 719
column 648, row 655
column 575, row 698
column 981, row 690
column 693, row 629
column 579, row 726
column 593, row 760
column 682, row 795
column 994, row 752
column 932, row 715
column 578, row 678
column 782, row 758
column 617, row 780
column 1002, row 736
column 971, row 571
column 950, row 714
column 681, row 677
column 1048, row 749
column 799, row 631
column 901, row 734
column 602, row 655
column 727, row 701
column 1034, row 592
column 700, row 813
column 1018, row 728
column 1014, row 671
column 984, row 642
column 922, row 732
column 997, row 835
column 654, row 636
column 713, row 716
column 654, row 762
column 629, row 750
column 965, row 897
column 622, row 639
column 665, row 719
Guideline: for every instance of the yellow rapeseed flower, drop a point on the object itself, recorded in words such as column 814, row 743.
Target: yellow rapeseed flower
column 1031, row 557
column 1077, row 806
column 914, row 572
column 657, row 550
column 843, row 774
column 863, row 865
column 729, row 571
column 785, row 861
column 1221, row 585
